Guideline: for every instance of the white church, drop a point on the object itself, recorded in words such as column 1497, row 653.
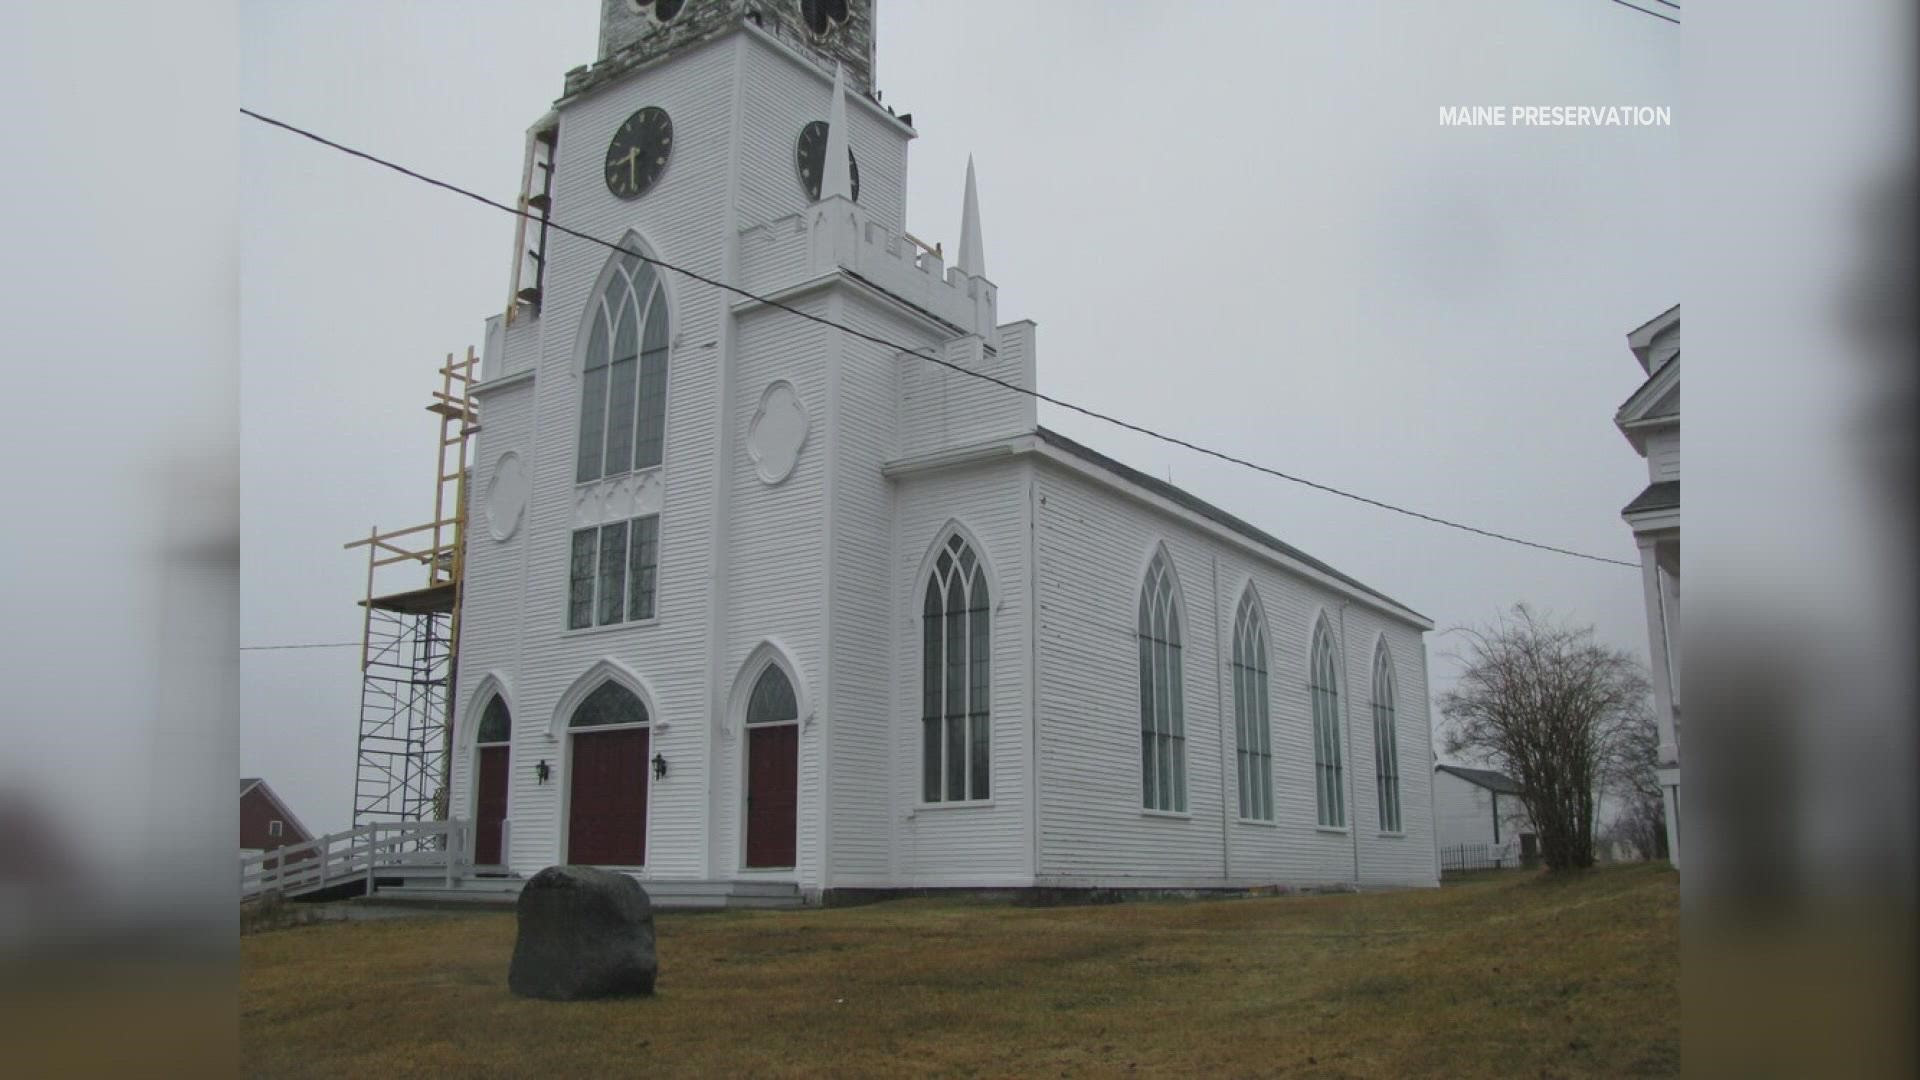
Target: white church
column 754, row 598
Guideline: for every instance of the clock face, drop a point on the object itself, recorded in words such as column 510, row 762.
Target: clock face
column 810, row 155
column 638, row 153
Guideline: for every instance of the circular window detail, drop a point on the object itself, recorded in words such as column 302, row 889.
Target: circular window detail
column 507, row 496
column 777, row 432
column 823, row 16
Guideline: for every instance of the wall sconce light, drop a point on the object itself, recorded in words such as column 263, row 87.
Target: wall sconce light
column 542, row 771
column 659, row 767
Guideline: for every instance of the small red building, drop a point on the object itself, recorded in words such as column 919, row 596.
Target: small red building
column 265, row 821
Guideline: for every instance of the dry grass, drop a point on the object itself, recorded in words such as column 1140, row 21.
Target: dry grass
column 1513, row 975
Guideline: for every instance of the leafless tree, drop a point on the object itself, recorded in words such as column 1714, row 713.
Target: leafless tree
column 1642, row 817
column 1557, row 711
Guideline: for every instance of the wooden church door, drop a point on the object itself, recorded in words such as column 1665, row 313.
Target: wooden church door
column 773, row 771
column 490, row 814
column 773, row 767
column 607, row 809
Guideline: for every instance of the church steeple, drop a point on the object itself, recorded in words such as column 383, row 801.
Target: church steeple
column 836, row 179
column 973, row 260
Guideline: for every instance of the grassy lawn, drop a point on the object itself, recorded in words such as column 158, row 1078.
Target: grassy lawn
column 1509, row 974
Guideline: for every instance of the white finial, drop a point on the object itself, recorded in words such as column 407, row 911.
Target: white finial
column 835, row 178
column 972, row 260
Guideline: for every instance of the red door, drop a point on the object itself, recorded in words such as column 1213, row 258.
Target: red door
column 607, row 811
column 491, row 812
column 773, row 759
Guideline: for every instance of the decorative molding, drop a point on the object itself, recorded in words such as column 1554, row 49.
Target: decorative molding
column 617, row 498
column 508, row 491
column 777, row 432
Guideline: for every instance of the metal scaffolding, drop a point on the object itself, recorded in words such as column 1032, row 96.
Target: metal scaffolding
column 410, row 640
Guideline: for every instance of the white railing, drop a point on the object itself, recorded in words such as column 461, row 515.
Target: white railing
column 390, row 848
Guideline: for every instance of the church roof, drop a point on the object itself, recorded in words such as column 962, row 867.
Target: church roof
column 1664, row 495
column 1486, row 778
column 1206, row 510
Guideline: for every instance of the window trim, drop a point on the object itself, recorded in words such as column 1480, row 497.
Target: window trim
column 1251, row 612
column 1383, row 664
column 1334, row 731
column 490, row 685
column 582, row 341
column 1176, row 609
column 566, row 597
column 916, row 601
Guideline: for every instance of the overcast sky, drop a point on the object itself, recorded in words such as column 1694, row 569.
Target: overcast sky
column 1236, row 222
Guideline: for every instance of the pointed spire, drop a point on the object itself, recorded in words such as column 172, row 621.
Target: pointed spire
column 835, row 177
column 973, row 260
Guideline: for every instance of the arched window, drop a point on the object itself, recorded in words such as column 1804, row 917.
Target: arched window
column 1323, row 682
column 1163, row 732
column 1386, row 742
column 623, row 384
column 496, row 723
column 608, row 705
column 772, row 700
column 1251, row 738
column 956, row 659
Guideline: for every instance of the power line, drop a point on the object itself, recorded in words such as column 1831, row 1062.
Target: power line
column 1669, row 3
column 926, row 353
column 1655, row 14
column 302, row 645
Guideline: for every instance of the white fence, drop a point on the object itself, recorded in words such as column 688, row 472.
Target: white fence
column 381, row 848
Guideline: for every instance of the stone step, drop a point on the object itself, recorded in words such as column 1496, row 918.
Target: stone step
column 667, row 895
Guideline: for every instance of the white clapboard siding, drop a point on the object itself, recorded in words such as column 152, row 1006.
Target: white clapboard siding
column 1094, row 548
column 782, row 94
column 489, row 653
column 966, row 843
column 1663, row 454
column 682, row 221
column 776, row 586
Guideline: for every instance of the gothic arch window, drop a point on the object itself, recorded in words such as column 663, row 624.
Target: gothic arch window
column 956, row 656
column 496, row 723
column 1252, row 738
column 1386, row 742
column 822, row 16
column 609, row 705
column 623, row 376
column 1163, row 735
column 772, row 700
column 1323, row 686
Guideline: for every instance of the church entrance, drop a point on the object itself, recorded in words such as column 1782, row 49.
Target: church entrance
column 490, row 763
column 607, row 803
column 773, row 771
column 490, row 811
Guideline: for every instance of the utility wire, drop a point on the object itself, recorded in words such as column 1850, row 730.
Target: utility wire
column 1655, row 14
column 926, row 353
column 303, row 645
column 1669, row 3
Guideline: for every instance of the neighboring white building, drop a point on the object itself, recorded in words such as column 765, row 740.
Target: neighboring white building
column 1650, row 419
column 1480, row 808
column 751, row 597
